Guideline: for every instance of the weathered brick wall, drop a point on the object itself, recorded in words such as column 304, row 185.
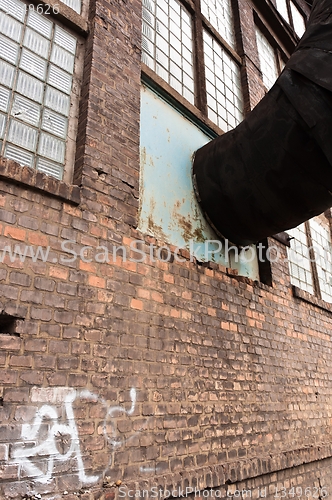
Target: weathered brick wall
column 168, row 374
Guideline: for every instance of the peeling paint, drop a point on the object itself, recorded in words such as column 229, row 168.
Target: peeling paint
column 168, row 206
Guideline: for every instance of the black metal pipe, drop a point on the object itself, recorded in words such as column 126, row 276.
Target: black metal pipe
column 274, row 170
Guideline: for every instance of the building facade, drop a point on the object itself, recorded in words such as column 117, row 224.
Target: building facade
column 140, row 355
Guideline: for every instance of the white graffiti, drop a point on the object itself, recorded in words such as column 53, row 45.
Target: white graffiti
column 48, row 448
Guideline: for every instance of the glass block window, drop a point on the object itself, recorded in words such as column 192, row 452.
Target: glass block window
column 36, row 75
column 282, row 8
column 223, row 85
column 219, row 13
column 267, row 59
column 298, row 20
column 321, row 242
column 299, row 259
column 167, row 44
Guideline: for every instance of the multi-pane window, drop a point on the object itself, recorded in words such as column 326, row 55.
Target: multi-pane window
column 37, row 59
column 169, row 44
column 223, row 86
column 267, row 59
column 292, row 15
column 310, row 257
column 321, row 244
column 219, row 13
column 299, row 259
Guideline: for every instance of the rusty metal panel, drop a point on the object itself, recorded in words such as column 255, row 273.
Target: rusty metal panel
column 169, row 210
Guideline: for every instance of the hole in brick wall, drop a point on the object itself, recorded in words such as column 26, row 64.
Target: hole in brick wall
column 1, row 401
column 8, row 324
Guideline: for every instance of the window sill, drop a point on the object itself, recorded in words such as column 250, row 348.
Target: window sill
column 311, row 299
column 12, row 172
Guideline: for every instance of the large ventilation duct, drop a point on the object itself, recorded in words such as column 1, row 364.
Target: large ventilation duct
column 274, row 170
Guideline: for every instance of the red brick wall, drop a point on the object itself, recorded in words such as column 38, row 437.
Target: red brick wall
column 160, row 374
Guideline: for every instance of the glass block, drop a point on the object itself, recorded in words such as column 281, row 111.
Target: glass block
column 6, row 74
column 22, row 135
column 162, row 58
column 9, row 50
column 219, row 13
column 57, row 100
column 298, row 20
column 146, row 59
column 65, row 40
column 74, row 4
column 62, row 58
column 10, row 27
column 167, row 43
column 59, row 79
column 14, row 8
column 147, row 17
column 49, row 168
column 51, row 147
column 39, row 23
column 3, row 119
column 176, row 84
column 162, row 72
column 222, row 74
column 30, row 87
column 147, row 46
column 33, row 64
column 54, row 123
column 4, row 99
column 162, row 44
column 149, row 5
column 147, row 31
column 36, row 43
column 188, row 95
column 25, row 110
column 22, row 157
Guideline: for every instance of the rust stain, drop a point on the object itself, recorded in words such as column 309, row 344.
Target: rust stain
column 187, row 231
column 155, row 229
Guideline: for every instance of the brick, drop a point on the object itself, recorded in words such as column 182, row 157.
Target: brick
column 42, row 314
column 20, row 361
column 10, row 342
column 7, row 217
column 63, row 317
column 20, row 279
column 44, row 284
column 137, row 304
column 15, row 233
column 4, row 451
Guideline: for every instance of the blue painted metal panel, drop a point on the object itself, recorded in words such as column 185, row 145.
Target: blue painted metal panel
column 168, row 207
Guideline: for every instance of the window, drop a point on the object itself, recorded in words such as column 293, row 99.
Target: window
column 172, row 35
column 267, row 58
column 291, row 13
column 37, row 74
column 310, row 257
